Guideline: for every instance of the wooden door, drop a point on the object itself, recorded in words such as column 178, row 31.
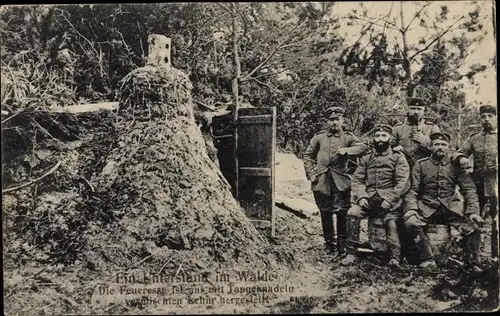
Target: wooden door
column 256, row 146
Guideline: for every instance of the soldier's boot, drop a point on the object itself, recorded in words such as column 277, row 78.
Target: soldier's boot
column 330, row 248
column 353, row 231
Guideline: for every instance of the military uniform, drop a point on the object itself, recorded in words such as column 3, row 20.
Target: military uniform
column 484, row 148
column 414, row 151
column 433, row 199
column 380, row 176
column 332, row 188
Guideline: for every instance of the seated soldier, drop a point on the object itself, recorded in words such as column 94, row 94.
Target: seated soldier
column 432, row 199
column 379, row 184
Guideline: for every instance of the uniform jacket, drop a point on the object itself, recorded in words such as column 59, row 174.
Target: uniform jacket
column 484, row 148
column 433, row 183
column 414, row 151
column 320, row 159
column 386, row 173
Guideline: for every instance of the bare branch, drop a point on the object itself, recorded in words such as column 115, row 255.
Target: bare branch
column 33, row 181
column 387, row 23
column 405, row 28
column 266, row 85
column 10, row 117
column 268, row 74
column 245, row 22
column 434, row 40
column 225, row 8
column 276, row 49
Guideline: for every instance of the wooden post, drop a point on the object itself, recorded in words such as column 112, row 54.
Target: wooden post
column 236, row 79
column 159, row 50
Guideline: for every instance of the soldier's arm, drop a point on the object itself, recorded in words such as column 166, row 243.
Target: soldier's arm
column 411, row 206
column 427, row 143
column 355, row 146
column 310, row 157
column 468, row 190
column 402, row 179
column 395, row 137
column 358, row 182
column 464, row 151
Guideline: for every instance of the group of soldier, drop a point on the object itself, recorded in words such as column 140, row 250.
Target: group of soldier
column 407, row 175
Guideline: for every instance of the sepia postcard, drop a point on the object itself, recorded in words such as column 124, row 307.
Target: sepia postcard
column 246, row 158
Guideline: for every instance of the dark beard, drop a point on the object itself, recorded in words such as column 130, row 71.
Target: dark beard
column 487, row 127
column 381, row 147
column 413, row 119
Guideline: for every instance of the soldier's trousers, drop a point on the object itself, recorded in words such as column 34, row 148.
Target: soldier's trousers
column 391, row 229
column 493, row 212
column 471, row 237
column 335, row 203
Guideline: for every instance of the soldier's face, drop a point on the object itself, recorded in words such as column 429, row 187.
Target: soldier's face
column 381, row 137
column 335, row 123
column 440, row 147
column 417, row 111
column 488, row 121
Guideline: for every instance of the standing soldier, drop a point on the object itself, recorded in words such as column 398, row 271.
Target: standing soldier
column 325, row 162
column 433, row 199
column 379, row 184
column 412, row 135
column 483, row 146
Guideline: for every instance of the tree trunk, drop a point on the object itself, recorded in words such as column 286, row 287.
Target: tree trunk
column 406, row 60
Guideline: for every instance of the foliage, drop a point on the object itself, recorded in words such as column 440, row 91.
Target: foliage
column 290, row 54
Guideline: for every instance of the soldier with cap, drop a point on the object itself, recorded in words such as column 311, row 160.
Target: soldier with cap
column 484, row 149
column 326, row 163
column 433, row 199
column 412, row 135
column 379, row 184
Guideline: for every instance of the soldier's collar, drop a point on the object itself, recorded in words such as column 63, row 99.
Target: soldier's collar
column 330, row 133
column 420, row 122
column 384, row 153
column 446, row 160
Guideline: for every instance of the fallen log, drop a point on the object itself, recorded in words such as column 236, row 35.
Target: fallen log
column 299, row 207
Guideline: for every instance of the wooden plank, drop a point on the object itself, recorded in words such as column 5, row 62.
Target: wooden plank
column 273, row 176
column 299, row 207
column 223, row 136
column 256, row 119
column 261, row 224
column 255, row 172
column 92, row 107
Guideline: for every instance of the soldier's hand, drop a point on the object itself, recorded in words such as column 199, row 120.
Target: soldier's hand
column 464, row 162
column 341, row 152
column 418, row 137
column 386, row 205
column 476, row 218
column 414, row 221
column 398, row 148
column 363, row 203
column 313, row 179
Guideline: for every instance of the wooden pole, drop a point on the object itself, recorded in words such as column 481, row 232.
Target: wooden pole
column 237, row 75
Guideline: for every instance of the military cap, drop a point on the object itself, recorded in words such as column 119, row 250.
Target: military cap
column 442, row 136
column 416, row 101
column 382, row 128
column 335, row 112
column 488, row 109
